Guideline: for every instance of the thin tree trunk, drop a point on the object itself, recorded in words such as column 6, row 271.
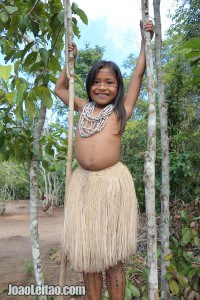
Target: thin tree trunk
column 34, row 199
column 34, row 187
column 69, row 60
column 164, row 217
column 149, row 172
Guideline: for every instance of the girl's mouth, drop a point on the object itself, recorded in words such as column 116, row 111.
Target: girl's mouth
column 102, row 95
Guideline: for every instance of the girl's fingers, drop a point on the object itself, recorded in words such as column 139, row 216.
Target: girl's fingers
column 72, row 47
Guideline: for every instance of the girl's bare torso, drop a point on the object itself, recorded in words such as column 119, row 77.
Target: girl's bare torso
column 101, row 150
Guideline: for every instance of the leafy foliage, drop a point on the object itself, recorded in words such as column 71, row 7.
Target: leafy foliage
column 194, row 58
column 183, row 272
column 133, row 148
column 136, row 280
column 186, row 20
column 182, row 96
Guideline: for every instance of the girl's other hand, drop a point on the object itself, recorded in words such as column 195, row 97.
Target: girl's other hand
column 148, row 27
column 72, row 47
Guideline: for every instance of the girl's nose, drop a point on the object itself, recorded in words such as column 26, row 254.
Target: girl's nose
column 102, row 85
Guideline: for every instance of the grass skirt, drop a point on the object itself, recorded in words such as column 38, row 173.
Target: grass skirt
column 100, row 222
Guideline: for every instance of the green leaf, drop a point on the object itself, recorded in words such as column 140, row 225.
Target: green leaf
column 145, row 272
column 44, row 54
column 30, row 59
column 20, row 91
column 168, row 256
column 170, row 269
column 168, row 276
column 11, row 9
column 17, row 64
column 194, row 233
column 35, row 28
column 131, row 271
column 4, row 16
column 82, row 16
column 193, row 43
column 53, row 78
column 196, row 240
column 192, row 273
column 184, row 216
column 188, row 256
column 128, row 293
column 26, row 49
column 74, row 20
column 10, row 97
column 61, row 17
column 24, row 24
column 19, row 100
column 186, row 237
column 44, row 94
column 193, row 54
column 49, row 150
column 5, row 72
column 186, row 270
column 51, row 168
column 74, row 7
column 174, row 287
column 181, row 279
column 19, row 112
column 76, row 30
column 53, row 64
column 79, row 80
column 106, row 296
column 135, row 292
column 30, row 108
column 48, row 102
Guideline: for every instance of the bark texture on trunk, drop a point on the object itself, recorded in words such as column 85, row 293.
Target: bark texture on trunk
column 164, row 217
column 69, row 59
column 149, row 172
column 34, row 198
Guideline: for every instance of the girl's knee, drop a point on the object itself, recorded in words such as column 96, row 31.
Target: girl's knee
column 115, row 269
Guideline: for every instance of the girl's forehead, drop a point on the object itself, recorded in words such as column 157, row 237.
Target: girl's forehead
column 105, row 71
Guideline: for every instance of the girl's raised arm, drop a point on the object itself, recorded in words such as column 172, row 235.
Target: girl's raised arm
column 62, row 87
column 136, row 79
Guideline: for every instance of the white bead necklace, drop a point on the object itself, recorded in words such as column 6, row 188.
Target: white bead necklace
column 89, row 124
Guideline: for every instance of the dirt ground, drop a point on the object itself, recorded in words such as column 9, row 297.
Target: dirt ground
column 15, row 248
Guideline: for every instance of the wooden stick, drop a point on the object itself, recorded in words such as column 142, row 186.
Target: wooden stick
column 149, row 172
column 69, row 60
column 165, row 188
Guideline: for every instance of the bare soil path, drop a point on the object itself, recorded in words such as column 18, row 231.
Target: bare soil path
column 15, row 248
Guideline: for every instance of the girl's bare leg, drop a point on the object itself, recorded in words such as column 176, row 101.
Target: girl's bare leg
column 116, row 282
column 93, row 284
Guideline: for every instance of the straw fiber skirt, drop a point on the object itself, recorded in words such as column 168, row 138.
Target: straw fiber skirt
column 100, row 223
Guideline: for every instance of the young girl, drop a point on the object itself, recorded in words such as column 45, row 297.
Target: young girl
column 100, row 224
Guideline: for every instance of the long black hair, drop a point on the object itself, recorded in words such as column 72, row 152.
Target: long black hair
column 118, row 100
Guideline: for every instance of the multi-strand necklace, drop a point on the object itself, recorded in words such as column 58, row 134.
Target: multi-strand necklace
column 89, row 124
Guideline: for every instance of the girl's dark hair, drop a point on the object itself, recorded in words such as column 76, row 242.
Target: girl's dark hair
column 118, row 101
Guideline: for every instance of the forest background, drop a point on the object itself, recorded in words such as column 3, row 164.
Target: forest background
column 33, row 53
column 18, row 109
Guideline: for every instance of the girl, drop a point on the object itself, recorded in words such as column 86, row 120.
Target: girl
column 100, row 224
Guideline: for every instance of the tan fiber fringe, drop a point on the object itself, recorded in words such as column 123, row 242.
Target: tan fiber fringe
column 100, row 223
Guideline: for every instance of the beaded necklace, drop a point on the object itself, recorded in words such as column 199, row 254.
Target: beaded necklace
column 89, row 124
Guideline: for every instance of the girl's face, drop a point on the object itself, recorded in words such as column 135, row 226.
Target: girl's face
column 104, row 88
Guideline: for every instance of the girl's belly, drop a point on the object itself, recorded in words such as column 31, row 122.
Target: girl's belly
column 97, row 153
